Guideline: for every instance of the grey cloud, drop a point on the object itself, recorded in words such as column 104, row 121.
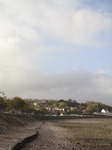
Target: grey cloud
column 80, row 85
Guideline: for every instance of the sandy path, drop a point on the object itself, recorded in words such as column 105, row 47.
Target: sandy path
column 50, row 138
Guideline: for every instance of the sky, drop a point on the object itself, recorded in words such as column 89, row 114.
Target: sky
column 56, row 49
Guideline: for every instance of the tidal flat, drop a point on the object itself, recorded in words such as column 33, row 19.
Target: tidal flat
column 88, row 134
column 74, row 134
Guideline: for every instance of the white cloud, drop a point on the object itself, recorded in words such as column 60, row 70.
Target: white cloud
column 89, row 24
column 59, row 20
column 26, row 25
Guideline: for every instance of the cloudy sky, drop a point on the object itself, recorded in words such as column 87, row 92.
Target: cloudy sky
column 56, row 49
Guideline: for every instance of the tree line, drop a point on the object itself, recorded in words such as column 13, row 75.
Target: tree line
column 15, row 104
column 69, row 106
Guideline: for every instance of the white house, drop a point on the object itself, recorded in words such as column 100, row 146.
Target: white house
column 103, row 111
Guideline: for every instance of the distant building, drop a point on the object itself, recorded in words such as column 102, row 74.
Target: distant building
column 43, row 102
column 61, row 114
column 35, row 103
column 103, row 111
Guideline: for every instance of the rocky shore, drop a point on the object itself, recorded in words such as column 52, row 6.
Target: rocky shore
column 50, row 137
column 77, row 134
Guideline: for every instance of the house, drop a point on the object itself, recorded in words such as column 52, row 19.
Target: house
column 105, row 112
column 55, row 110
column 61, row 114
column 35, row 103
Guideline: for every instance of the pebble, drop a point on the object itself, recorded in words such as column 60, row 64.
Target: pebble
column 50, row 138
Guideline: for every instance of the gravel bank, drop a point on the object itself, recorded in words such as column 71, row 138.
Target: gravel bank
column 50, row 138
